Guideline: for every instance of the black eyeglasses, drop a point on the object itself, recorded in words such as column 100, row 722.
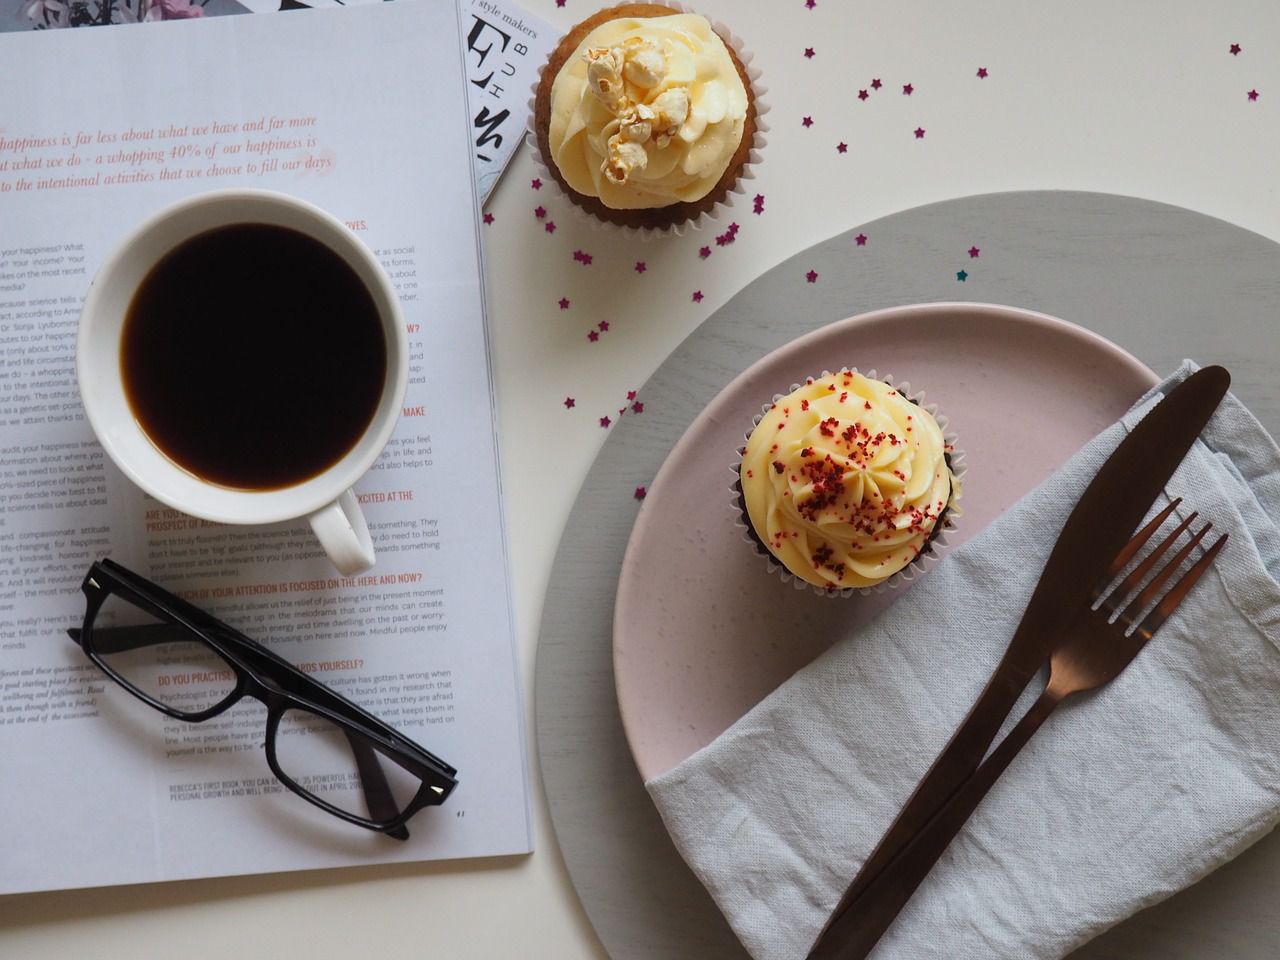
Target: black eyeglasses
column 187, row 664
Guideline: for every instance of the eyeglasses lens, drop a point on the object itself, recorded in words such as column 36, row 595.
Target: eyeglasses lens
column 342, row 767
column 160, row 659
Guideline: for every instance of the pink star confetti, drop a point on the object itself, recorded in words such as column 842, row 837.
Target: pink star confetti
column 726, row 238
column 697, row 296
column 1235, row 49
column 907, row 89
column 570, row 403
column 631, row 395
column 605, row 422
column 582, row 258
column 640, row 267
column 862, row 94
column 488, row 218
column 641, row 491
column 812, row 276
column 1253, row 95
column 564, row 303
column 539, row 212
column 973, row 252
column 550, row 226
column 757, row 205
column 919, row 133
column 807, row 122
column 982, row 73
column 604, row 326
column 637, row 407
column 860, row 239
column 593, row 336
column 535, row 183
column 559, row 3
column 704, row 252
column 808, row 53
column 842, row 147
column 876, row 84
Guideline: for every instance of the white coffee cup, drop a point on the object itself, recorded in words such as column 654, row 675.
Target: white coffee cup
column 325, row 499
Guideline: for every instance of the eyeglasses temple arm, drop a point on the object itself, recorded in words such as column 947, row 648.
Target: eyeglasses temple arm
column 377, row 792
column 121, row 639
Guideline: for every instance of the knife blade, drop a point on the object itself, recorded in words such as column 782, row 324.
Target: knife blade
column 1101, row 522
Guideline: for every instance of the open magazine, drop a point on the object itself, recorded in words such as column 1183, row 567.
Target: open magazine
column 504, row 46
column 99, row 788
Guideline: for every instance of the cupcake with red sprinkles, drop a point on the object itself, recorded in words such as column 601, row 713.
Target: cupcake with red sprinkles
column 848, row 482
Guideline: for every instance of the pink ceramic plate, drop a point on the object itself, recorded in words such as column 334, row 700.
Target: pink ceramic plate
column 702, row 632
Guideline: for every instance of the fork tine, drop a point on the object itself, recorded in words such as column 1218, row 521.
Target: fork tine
column 1139, row 573
column 1152, row 589
column 1141, row 537
column 1180, row 589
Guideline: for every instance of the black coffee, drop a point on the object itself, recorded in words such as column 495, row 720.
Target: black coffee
column 253, row 356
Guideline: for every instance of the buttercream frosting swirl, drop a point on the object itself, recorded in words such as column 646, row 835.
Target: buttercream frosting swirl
column 845, row 480
column 647, row 112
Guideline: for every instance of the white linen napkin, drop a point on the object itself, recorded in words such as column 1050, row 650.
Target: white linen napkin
column 1124, row 797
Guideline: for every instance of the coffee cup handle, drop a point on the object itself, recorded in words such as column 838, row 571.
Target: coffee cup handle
column 342, row 531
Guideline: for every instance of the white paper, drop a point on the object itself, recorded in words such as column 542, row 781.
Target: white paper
column 505, row 46
column 361, row 111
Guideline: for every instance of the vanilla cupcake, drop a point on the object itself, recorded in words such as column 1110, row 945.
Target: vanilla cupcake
column 847, row 481
column 645, row 116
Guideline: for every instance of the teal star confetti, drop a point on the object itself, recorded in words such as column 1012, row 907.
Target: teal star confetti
column 962, row 276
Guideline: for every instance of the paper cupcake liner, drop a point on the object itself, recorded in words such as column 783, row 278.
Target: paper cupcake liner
column 709, row 217
column 935, row 547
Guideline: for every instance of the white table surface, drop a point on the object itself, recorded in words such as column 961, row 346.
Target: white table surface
column 1142, row 99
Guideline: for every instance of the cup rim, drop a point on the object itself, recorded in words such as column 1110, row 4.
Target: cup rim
column 228, row 504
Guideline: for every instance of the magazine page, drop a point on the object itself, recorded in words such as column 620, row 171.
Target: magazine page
column 361, row 111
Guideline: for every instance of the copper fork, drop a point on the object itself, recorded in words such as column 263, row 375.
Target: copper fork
column 1103, row 639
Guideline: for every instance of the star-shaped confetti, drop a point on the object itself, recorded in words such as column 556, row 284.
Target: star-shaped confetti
column 876, row 84
column 908, row 89
column 862, row 94
column 697, row 296
column 860, row 239
column 808, row 53
column 536, row 183
column 812, row 276
column 842, row 147
column 982, row 73
column 550, row 226
column 757, row 205
column 919, row 133
column 539, row 212
column 962, row 276
column 637, row 407
column 593, row 335
column 641, row 491
column 640, row 267
column 807, row 122
column 605, row 422
column 726, row 238
column 564, row 303
column 704, row 252
column 570, row 403
column 1235, row 49
column 973, row 252
column 582, row 258
column 559, row 3
column 604, row 326
column 488, row 218
column 631, row 395
column 1253, row 95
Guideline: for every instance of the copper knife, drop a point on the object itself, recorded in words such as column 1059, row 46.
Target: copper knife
column 1102, row 521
